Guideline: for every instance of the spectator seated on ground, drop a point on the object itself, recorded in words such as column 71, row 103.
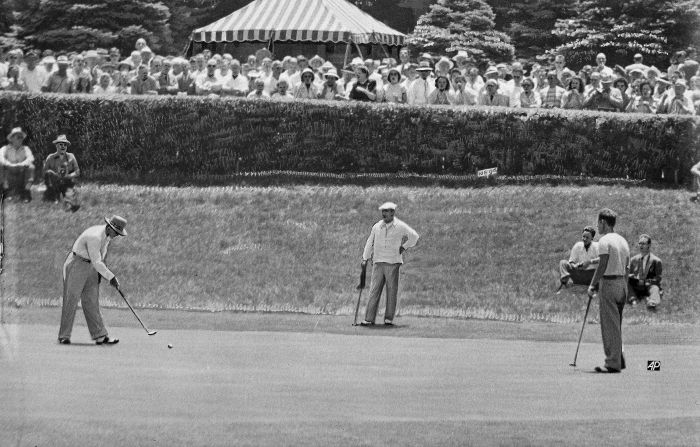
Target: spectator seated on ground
column 580, row 267
column 645, row 275
column 17, row 166
column 60, row 173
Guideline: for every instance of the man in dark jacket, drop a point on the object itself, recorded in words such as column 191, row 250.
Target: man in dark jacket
column 645, row 275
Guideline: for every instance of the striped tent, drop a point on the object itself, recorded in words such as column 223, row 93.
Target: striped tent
column 299, row 20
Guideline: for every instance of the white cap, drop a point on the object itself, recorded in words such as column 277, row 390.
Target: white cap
column 387, row 206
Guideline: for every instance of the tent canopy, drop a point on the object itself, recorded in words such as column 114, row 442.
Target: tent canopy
column 299, row 20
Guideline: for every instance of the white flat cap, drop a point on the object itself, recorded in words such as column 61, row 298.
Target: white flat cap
column 387, row 206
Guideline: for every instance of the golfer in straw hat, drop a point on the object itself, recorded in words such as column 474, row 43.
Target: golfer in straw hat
column 17, row 166
column 82, row 272
column 388, row 240
column 60, row 174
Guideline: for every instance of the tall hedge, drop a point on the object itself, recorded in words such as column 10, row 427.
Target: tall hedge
column 181, row 140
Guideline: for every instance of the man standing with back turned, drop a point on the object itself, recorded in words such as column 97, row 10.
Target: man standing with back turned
column 612, row 272
column 388, row 240
column 82, row 271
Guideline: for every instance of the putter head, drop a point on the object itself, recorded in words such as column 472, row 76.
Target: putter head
column 572, row 364
column 152, row 332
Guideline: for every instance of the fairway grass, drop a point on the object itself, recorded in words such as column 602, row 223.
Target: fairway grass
column 484, row 253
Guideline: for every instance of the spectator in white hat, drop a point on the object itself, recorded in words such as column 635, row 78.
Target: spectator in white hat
column 17, row 166
column 388, row 240
column 421, row 88
column 331, row 89
column 49, row 64
column 61, row 172
column 307, row 89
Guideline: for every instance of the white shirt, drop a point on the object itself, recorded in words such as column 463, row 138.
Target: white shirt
column 240, row 83
column 615, row 246
column 579, row 254
column 293, row 79
column 92, row 244
column 419, row 91
column 34, row 79
column 11, row 156
column 385, row 240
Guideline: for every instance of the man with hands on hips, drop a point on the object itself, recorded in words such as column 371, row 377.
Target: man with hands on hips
column 388, row 240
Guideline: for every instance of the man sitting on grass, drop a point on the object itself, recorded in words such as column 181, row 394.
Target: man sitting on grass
column 645, row 275
column 582, row 261
column 60, row 172
column 17, row 166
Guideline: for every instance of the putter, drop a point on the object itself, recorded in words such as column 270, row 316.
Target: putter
column 361, row 287
column 585, row 316
column 2, row 250
column 136, row 315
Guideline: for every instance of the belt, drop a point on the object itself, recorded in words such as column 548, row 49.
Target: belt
column 613, row 276
column 80, row 257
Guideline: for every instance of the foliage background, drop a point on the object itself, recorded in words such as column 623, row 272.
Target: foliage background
column 524, row 29
column 166, row 140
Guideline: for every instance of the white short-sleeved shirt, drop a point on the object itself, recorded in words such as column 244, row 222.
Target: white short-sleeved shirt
column 615, row 246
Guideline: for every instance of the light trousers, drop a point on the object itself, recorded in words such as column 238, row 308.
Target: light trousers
column 613, row 295
column 80, row 283
column 383, row 274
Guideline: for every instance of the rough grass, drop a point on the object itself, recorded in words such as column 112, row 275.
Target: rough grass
column 488, row 253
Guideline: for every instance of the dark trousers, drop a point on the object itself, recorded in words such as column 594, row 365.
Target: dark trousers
column 59, row 187
column 18, row 179
column 578, row 276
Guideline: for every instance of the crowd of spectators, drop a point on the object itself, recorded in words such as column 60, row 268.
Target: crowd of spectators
column 428, row 80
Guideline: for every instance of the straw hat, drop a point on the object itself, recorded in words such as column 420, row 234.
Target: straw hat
column 61, row 139
column 16, row 131
column 117, row 223
column 387, row 206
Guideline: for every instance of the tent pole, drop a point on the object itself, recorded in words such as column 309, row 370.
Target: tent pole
column 348, row 49
column 358, row 50
column 381, row 45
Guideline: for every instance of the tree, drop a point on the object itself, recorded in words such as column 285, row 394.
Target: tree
column 620, row 29
column 185, row 16
column 452, row 25
column 66, row 25
column 529, row 23
column 390, row 12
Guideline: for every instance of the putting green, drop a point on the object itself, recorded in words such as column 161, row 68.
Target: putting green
column 285, row 388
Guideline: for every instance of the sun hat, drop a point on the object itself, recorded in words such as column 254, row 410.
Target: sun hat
column 606, row 79
column 357, row 61
column 331, row 73
column 424, row 66
column 117, row 223
column 62, row 60
column 316, row 58
column 461, row 54
column 91, row 54
column 445, row 60
column 15, row 131
column 61, row 139
column 48, row 60
column 387, row 206
column 425, row 56
column 491, row 71
column 491, row 82
column 327, row 65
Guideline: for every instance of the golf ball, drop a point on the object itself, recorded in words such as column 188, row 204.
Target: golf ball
column 170, row 346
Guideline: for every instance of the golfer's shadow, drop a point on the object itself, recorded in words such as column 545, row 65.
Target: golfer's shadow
column 80, row 345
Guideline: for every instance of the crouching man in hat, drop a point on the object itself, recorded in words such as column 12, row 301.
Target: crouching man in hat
column 17, row 166
column 82, row 273
column 60, row 173
column 388, row 240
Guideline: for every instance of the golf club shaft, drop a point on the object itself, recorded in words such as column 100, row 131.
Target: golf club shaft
column 134, row 312
column 357, row 307
column 585, row 316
